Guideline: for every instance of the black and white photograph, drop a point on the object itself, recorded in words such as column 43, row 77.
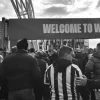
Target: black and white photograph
column 49, row 49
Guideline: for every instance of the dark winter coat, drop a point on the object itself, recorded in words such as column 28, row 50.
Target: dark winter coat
column 42, row 66
column 39, row 90
column 61, row 64
column 20, row 70
column 93, row 65
column 80, row 57
column 75, row 61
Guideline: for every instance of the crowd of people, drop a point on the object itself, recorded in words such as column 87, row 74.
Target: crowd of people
column 62, row 74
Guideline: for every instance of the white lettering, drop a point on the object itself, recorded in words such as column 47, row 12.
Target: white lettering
column 75, row 28
column 66, row 28
column 79, row 28
column 72, row 28
column 57, row 31
column 89, row 28
column 46, row 28
column 61, row 28
column 97, row 27
column 53, row 28
column 85, row 25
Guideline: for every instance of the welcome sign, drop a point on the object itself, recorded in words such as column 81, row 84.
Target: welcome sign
column 77, row 28
column 71, row 28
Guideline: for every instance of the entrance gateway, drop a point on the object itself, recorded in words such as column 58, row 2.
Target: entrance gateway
column 43, row 29
column 54, row 28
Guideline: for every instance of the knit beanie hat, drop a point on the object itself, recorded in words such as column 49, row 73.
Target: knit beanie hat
column 22, row 44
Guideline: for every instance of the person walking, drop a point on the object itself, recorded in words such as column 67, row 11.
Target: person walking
column 39, row 91
column 93, row 66
column 60, row 77
column 21, row 72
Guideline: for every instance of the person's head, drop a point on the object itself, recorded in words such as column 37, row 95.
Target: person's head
column 14, row 49
column 98, row 47
column 39, row 54
column 31, row 50
column 65, row 52
column 78, row 50
column 90, row 51
column 54, row 57
column 22, row 44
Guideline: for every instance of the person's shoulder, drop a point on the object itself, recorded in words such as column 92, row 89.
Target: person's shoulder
column 29, row 57
column 92, row 58
column 76, row 67
column 41, row 61
column 9, row 56
column 75, row 59
column 32, row 54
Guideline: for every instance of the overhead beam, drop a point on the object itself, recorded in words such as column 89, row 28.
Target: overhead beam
column 23, row 8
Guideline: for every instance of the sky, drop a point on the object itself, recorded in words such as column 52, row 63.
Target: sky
column 58, row 9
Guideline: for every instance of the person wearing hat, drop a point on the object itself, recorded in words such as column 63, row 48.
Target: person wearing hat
column 60, row 77
column 21, row 72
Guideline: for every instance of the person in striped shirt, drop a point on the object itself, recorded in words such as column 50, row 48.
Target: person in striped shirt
column 60, row 77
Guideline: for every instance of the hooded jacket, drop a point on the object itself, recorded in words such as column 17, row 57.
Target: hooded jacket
column 93, row 65
column 61, row 65
column 59, row 75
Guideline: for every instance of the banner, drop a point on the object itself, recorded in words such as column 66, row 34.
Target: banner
column 33, row 29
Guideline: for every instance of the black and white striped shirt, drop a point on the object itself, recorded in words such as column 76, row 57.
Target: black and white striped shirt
column 63, row 85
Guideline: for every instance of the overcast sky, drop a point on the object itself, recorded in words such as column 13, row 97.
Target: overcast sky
column 58, row 9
